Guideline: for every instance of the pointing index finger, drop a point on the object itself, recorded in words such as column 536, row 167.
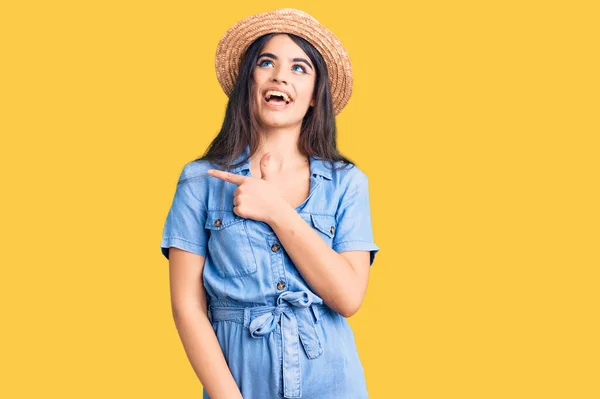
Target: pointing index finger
column 230, row 177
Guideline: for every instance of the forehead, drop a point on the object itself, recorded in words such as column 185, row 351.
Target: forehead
column 282, row 44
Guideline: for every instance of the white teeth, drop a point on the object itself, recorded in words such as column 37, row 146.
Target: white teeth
column 270, row 93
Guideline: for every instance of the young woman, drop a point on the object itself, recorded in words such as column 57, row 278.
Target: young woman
column 269, row 236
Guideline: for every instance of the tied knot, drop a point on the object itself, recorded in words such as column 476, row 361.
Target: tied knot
column 266, row 322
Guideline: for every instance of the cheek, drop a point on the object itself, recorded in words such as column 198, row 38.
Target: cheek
column 308, row 93
column 260, row 75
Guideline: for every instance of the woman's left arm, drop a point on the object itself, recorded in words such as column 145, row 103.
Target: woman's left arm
column 338, row 274
column 340, row 279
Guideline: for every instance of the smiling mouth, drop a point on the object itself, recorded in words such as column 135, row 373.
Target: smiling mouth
column 276, row 100
column 276, row 104
column 277, row 97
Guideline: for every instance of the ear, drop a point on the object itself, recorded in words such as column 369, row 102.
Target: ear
column 312, row 102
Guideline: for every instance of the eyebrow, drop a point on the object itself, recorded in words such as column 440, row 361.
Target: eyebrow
column 269, row 55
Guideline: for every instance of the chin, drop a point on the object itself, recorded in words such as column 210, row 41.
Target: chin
column 279, row 121
column 283, row 123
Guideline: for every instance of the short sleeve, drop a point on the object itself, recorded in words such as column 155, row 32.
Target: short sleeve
column 354, row 229
column 184, row 226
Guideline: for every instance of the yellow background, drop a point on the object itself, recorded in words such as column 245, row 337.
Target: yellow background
column 476, row 122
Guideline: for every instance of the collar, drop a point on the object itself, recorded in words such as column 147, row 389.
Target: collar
column 317, row 165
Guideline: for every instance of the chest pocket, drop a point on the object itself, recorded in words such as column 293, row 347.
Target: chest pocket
column 229, row 245
column 325, row 225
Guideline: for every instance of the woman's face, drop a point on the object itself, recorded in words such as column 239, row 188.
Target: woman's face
column 285, row 69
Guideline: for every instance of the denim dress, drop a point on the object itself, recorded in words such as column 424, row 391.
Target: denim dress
column 278, row 337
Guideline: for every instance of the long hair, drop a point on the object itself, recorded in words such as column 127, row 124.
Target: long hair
column 240, row 125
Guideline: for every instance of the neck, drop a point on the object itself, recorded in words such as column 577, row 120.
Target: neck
column 282, row 143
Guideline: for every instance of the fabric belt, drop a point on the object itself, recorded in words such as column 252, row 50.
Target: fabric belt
column 293, row 313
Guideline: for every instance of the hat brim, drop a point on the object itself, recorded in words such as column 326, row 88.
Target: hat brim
column 236, row 40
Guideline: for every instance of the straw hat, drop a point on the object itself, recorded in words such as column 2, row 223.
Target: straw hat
column 236, row 40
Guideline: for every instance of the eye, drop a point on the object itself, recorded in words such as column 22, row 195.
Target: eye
column 302, row 69
column 260, row 64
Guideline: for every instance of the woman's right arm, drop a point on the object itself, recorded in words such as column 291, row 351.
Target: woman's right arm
column 189, row 307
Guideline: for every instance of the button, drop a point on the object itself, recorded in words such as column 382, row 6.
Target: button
column 218, row 222
column 275, row 248
column 332, row 230
column 280, row 285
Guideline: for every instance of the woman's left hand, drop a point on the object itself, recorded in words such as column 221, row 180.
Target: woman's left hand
column 254, row 198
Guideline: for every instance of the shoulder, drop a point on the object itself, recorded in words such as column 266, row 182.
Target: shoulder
column 194, row 181
column 195, row 171
column 348, row 177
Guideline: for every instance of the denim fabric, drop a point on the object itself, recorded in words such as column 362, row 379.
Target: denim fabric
column 278, row 337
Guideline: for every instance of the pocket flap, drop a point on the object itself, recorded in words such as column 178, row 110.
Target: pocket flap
column 324, row 223
column 217, row 220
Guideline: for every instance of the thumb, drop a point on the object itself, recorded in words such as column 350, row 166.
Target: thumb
column 264, row 166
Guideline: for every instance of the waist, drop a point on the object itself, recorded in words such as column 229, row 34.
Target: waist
column 244, row 315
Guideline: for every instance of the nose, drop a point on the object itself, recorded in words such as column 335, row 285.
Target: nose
column 275, row 79
column 278, row 75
